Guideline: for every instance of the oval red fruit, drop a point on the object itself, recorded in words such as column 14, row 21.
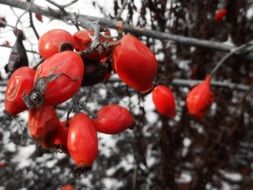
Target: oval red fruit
column 200, row 98
column 50, row 43
column 220, row 14
column 164, row 100
column 19, row 85
column 43, row 125
column 135, row 64
column 60, row 139
column 113, row 119
column 67, row 70
column 83, row 40
column 82, row 141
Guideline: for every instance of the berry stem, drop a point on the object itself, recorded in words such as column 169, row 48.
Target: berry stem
column 232, row 52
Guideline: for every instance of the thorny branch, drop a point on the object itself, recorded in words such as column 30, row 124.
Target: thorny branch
column 83, row 19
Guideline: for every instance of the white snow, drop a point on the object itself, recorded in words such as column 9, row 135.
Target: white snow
column 184, row 177
column 22, row 158
column 112, row 184
column 231, row 175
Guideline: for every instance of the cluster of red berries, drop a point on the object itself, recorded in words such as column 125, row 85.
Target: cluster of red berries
column 198, row 100
column 69, row 63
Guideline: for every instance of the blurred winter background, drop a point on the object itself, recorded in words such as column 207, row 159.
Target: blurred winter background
column 158, row 153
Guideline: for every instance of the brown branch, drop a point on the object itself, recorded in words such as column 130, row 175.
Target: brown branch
column 26, row 10
column 29, row 51
column 125, row 27
column 6, row 24
column 122, row 9
column 225, row 84
column 227, row 56
column 32, row 24
column 61, row 7
column 191, row 83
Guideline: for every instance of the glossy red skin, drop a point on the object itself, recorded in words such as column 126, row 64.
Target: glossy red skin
column 83, row 40
column 135, row 64
column 60, row 139
column 220, row 14
column 82, row 141
column 71, row 69
column 43, row 125
column 164, row 101
column 51, row 41
column 200, row 98
column 113, row 119
column 19, row 84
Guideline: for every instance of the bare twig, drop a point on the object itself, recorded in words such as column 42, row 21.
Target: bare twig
column 125, row 27
column 232, row 52
column 88, row 95
column 38, row 64
column 26, row 10
column 70, row 3
column 87, row 109
column 225, row 84
column 191, row 83
column 7, row 46
column 32, row 24
column 57, row 5
column 61, row 7
column 122, row 9
column 95, row 38
column 6, row 24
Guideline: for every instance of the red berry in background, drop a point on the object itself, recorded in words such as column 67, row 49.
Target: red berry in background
column 39, row 17
column 164, row 100
column 113, row 119
column 83, row 40
column 67, row 187
column 52, row 41
column 20, row 83
column 43, row 125
column 200, row 98
column 135, row 64
column 220, row 14
column 82, row 141
column 66, row 70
